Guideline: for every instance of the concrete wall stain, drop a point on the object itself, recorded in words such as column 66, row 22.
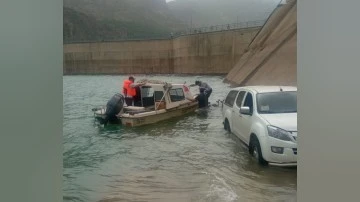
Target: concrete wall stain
column 203, row 53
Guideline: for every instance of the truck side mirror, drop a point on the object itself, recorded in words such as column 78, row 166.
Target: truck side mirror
column 245, row 110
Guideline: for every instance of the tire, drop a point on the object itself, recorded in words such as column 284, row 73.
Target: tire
column 227, row 126
column 255, row 151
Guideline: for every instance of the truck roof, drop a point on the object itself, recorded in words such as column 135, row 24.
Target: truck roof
column 268, row 89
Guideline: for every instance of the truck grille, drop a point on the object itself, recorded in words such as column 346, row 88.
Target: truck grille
column 295, row 151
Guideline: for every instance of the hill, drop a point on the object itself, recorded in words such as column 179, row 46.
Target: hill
column 87, row 20
column 117, row 19
column 211, row 12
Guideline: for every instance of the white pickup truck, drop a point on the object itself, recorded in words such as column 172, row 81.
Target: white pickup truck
column 265, row 119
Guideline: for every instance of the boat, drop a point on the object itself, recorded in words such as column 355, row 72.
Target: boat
column 156, row 101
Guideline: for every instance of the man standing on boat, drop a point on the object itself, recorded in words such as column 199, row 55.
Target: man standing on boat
column 208, row 89
column 129, row 90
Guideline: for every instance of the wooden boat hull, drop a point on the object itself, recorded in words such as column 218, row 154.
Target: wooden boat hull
column 134, row 120
column 160, row 101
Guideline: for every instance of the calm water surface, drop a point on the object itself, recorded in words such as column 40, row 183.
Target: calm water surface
column 190, row 158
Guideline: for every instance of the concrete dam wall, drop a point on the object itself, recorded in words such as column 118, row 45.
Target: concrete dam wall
column 271, row 56
column 203, row 53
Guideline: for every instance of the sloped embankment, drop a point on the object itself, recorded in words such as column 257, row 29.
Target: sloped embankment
column 271, row 57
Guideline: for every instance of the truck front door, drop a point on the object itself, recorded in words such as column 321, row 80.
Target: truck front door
column 236, row 116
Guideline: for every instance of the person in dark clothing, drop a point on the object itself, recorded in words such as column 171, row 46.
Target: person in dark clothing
column 201, row 98
column 208, row 89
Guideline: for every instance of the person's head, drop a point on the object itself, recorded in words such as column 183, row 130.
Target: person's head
column 202, row 90
column 197, row 83
column 131, row 78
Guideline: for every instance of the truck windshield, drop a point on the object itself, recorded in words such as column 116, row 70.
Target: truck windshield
column 277, row 102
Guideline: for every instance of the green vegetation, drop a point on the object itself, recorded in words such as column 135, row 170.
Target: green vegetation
column 99, row 20
column 94, row 20
column 78, row 26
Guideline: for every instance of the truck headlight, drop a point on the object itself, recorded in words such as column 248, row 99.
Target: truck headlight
column 278, row 133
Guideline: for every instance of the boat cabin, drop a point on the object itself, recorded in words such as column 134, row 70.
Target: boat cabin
column 160, row 96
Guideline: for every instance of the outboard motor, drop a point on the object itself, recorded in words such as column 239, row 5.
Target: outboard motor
column 113, row 107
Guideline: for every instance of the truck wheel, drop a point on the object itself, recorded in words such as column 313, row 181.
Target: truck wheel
column 255, row 151
column 227, row 126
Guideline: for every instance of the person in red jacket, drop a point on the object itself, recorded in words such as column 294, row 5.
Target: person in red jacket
column 129, row 90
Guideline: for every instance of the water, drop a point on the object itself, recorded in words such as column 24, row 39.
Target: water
column 190, row 158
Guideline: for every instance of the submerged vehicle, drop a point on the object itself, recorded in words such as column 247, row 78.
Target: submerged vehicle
column 155, row 101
